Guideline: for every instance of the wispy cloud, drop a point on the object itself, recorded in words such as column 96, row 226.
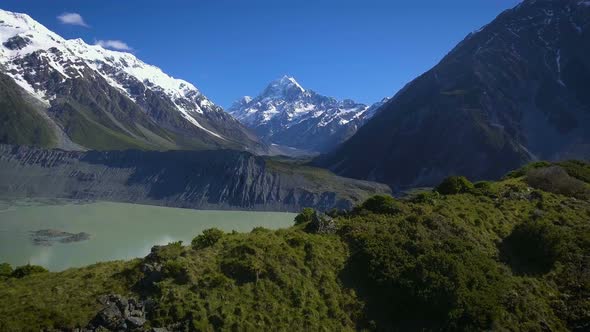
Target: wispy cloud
column 114, row 44
column 72, row 19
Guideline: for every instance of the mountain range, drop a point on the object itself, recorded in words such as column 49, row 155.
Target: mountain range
column 73, row 95
column 515, row 91
column 287, row 114
column 506, row 255
column 512, row 92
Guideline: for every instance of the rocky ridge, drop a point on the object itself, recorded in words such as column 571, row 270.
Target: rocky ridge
column 512, row 92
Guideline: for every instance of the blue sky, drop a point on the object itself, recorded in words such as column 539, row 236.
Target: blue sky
column 359, row 49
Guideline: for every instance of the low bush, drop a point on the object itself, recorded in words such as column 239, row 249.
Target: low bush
column 305, row 216
column 26, row 270
column 534, row 247
column 383, row 204
column 426, row 197
column 207, row 239
column 177, row 270
column 5, row 270
column 168, row 252
column 436, row 282
column 526, row 168
column 454, row 185
column 243, row 264
column 556, row 180
column 577, row 168
column 483, row 185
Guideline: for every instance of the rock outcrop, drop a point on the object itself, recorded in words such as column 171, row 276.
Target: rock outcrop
column 321, row 224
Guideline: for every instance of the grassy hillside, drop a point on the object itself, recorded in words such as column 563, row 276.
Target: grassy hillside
column 19, row 121
column 510, row 255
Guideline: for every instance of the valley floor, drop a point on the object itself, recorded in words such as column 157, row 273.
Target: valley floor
column 511, row 255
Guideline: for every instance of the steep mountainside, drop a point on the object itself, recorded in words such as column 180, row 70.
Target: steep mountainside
column 219, row 179
column 105, row 99
column 287, row 114
column 20, row 123
column 515, row 91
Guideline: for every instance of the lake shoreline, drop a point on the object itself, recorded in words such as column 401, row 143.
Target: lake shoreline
column 87, row 232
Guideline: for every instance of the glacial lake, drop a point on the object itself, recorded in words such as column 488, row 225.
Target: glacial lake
column 117, row 230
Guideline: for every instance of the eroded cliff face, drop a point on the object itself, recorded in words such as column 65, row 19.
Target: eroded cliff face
column 220, row 179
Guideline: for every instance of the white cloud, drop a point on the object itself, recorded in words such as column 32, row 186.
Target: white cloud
column 73, row 19
column 114, row 44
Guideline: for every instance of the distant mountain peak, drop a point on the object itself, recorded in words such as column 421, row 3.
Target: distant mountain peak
column 287, row 114
column 290, row 81
column 284, row 87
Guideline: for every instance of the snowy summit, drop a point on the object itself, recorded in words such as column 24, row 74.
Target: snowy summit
column 287, row 114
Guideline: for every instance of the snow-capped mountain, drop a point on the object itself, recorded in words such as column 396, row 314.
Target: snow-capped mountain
column 51, row 68
column 287, row 114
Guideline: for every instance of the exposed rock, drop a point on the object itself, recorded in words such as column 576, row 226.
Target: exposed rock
column 110, row 317
column 135, row 322
column 321, row 224
column 220, row 179
column 77, row 237
column 48, row 237
column 152, row 273
column 118, row 314
column 17, row 42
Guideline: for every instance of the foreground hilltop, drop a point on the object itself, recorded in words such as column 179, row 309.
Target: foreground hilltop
column 507, row 255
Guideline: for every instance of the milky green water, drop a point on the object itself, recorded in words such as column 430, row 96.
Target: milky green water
column 117, row 230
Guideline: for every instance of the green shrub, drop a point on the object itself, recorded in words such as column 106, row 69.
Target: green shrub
column 534, row 246
column 305, row 216
column 207, row 239
column 483, row 188
column 243, row 264
column 577, row 168
column 5, row 270
column 428, row 197
column 383, row 204
column 260, row 229
column 483, row 185
column 177, row 270
column 526, row 168
column 335, row 213
column 556, row 180
column 26, row 270
column 454, row 185
column 170, row 251
column 436, row 282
